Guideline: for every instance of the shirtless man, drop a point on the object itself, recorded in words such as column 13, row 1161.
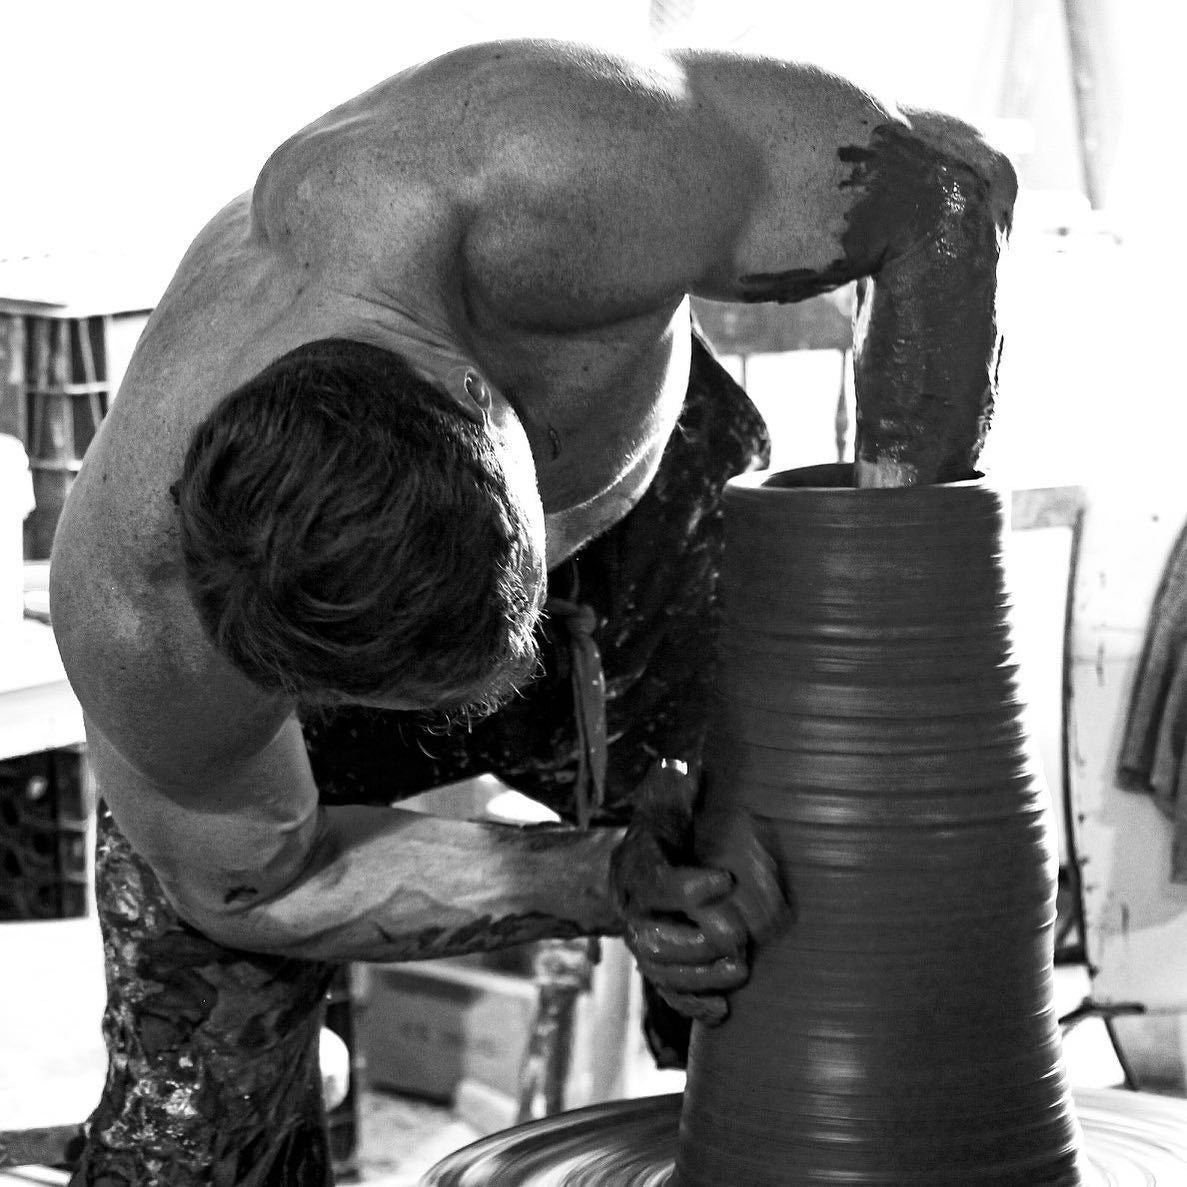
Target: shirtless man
column 516, row 228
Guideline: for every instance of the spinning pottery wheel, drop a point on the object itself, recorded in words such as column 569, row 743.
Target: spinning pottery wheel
column 901, row 1031
column 1130, row 1140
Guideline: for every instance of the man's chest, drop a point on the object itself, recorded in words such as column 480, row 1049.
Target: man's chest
column 597, row 407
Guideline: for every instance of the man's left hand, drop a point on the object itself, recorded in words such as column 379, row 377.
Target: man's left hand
column 688, row 925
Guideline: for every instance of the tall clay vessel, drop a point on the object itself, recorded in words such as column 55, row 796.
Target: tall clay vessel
column 901, row 1030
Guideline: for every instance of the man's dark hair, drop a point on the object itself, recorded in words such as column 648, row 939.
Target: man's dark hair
column 346, row 533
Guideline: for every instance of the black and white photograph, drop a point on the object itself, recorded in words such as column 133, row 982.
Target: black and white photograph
column 592, row 594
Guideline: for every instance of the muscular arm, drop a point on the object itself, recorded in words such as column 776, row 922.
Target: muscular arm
column 252, row 861
column 602, row 187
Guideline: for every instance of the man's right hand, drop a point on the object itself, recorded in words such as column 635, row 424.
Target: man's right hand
column 689, row 925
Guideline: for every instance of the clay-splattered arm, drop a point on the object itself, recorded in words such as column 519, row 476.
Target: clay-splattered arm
column 611, row 188
column 383, row 884
column 247, row 855
column 930, row 210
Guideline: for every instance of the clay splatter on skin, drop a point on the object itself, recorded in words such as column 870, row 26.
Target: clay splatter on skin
column 924, row 234
column 485, row 934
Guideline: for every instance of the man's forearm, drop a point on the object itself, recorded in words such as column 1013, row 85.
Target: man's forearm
column 927, row 210
column 383, row 884
column 927, row 342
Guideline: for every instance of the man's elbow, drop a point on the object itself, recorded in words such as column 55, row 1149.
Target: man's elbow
column 977, row 179
column 1003, row 189
column 241, row 925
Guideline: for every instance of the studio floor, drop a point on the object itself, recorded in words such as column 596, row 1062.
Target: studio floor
column 402, row 1137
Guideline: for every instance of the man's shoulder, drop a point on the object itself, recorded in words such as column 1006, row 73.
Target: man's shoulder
column 451, row 125
column 143, row 670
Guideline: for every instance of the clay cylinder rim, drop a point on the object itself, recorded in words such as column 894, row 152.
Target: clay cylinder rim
column 836, row 478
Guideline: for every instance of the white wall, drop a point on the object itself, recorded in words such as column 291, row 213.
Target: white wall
column 131, row 120
column 1136, row 917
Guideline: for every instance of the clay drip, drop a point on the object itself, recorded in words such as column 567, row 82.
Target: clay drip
column 901, row 1031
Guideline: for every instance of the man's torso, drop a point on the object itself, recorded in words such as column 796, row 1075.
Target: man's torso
column 332, row 244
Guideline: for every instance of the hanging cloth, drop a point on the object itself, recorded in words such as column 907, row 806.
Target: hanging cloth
column 1153, row 750
column 589, row 704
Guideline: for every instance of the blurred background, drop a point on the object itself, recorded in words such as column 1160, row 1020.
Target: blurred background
column 129, row 123
column 126, row 125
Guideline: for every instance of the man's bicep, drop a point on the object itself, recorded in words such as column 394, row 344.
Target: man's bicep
column 223, row 840
column 599, row 197
column 851, row 183
column 802, row 127
column 610, row 185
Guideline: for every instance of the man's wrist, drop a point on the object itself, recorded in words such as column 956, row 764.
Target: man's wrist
column 566, row 873
column 601, row 846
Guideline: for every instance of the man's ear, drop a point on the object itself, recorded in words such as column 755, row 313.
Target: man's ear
column 479, row 391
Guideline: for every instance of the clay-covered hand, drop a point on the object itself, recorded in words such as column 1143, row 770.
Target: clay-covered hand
column 688, row 925
column 732, row 841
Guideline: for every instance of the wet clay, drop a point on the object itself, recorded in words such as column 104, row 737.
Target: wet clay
column 901, row 1029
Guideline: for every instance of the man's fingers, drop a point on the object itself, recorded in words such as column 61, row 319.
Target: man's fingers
column 724, row 926
column 680, row 888
column 761, row 899
column 671, row 941
column 731, row 840
column 669, row 786
column 711, row 1009
column 730, row 972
